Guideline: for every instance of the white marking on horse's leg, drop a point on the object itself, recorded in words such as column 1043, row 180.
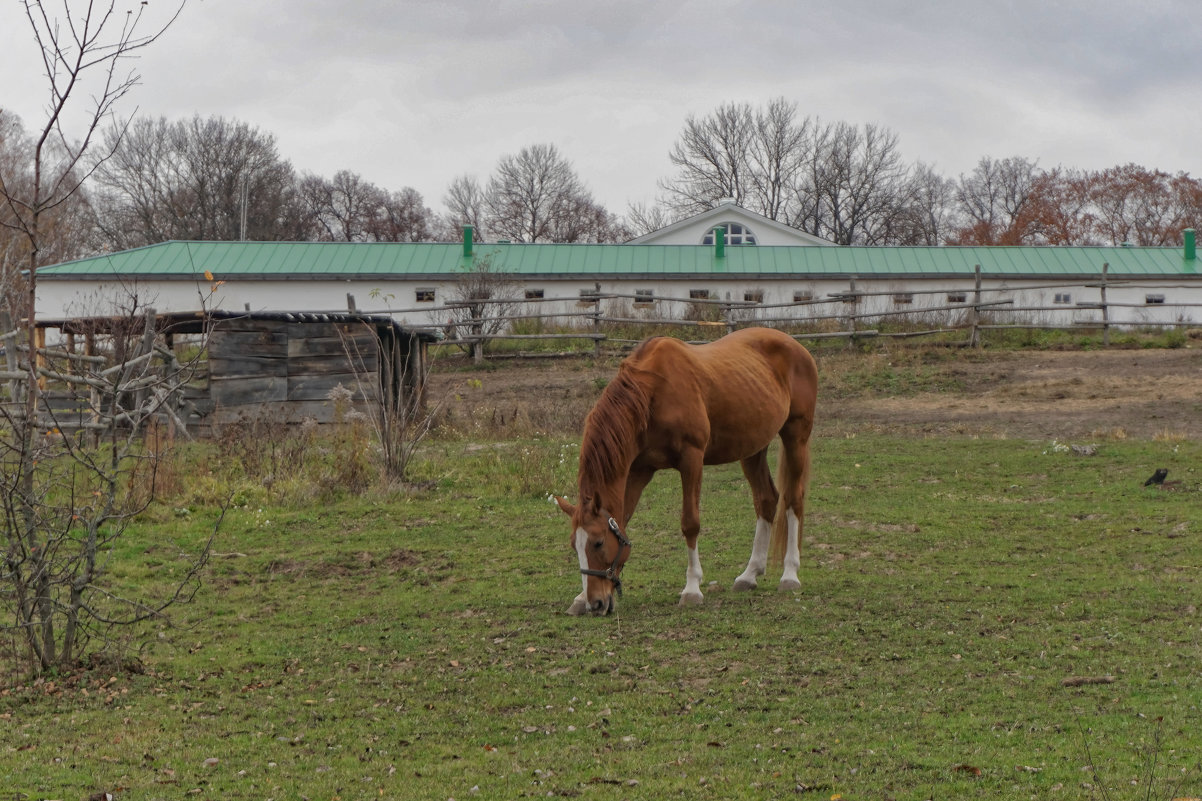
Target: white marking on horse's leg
column 759, row 556
column 580, row 602
column 691, row 594
column 788, row 579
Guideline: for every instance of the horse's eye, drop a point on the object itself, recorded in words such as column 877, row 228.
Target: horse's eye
column 597, row 545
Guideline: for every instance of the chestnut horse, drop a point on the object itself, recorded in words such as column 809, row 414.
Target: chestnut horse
column 680, row 406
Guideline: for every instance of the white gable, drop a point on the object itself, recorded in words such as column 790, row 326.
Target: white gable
column 693, row 230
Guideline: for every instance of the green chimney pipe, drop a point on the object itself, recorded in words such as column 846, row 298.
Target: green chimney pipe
column 720, row 242
column 467, row 241
column 1191, row 249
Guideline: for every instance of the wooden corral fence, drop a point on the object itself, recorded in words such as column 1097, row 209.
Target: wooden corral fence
column 852, row 314
column 197, row 370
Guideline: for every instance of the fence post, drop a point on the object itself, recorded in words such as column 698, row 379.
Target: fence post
column 1105, row 308
column 597, row 322
column 477, row 329
column 728, row 314
column 974, row 337
column 851, row 319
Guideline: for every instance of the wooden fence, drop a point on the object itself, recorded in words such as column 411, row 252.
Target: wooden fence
column 854, row 314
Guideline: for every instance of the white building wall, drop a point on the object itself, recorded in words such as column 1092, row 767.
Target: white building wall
column 1049, row 305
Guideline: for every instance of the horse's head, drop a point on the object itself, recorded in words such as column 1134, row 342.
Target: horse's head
column 602, row 548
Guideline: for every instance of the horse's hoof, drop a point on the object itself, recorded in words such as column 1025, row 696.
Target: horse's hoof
column 742, row 584
column 690, row 599
column 578, row 607
column 788, row 585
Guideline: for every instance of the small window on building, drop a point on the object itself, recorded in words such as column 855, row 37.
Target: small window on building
column 644, row 297
column 1063, row 298
column 534, row 294
column 736, row 234
column 802, row 295
column 424, row 295
column 753, row 296
column 957, row 297
column 1153, row 300
column 903, row 298
column 699, row 294
column 589, row 295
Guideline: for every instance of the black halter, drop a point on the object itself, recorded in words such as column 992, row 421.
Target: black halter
column 611, row 572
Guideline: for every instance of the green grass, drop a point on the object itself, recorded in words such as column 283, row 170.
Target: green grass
column 413, row 645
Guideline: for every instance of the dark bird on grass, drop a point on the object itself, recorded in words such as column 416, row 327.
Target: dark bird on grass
column 1157, row 477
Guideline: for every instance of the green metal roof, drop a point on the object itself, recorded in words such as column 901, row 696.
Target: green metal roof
column 347, row 260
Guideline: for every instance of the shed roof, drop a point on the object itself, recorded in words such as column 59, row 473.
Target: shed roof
column 399, row 260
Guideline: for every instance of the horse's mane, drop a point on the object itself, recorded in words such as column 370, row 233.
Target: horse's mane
column 613, row 428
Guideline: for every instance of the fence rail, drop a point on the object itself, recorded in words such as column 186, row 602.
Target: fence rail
column 854, row 313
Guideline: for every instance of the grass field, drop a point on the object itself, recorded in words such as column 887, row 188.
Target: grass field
column 979, row 618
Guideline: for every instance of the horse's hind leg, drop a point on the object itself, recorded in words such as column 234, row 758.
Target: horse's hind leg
column 794, row 477
column 764, row 495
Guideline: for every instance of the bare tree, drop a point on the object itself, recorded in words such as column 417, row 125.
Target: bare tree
column 837, row 181
column 481, row 303
column 65, row 502
column 782, row 145
column 857, row 185
column 712, row 160
column 342, row 207
column 929, row 214
column 201, row 178
column 754, row 156
column 536, row 196
column 347, row 208
column 465, row 205
column 643, row 219
column 64, row 227
column 993, row 197
column 403, row 217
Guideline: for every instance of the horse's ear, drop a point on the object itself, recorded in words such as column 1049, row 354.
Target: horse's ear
column 564, row 504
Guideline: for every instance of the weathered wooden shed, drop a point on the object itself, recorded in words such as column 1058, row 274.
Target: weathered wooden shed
column 278, row 366
column 287, row 364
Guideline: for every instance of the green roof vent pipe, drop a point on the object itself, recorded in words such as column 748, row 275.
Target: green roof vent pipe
column 1191, row 248
column 467, row 241
column 720, row 242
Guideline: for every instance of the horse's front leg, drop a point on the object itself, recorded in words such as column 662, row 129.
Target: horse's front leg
column 690, row 524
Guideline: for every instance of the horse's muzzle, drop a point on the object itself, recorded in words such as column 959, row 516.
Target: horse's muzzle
column 599, row 607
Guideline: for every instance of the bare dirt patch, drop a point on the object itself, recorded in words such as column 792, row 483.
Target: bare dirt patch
column 1066, row 395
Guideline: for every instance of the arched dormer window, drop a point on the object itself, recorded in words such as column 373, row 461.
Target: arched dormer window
column 736, row 234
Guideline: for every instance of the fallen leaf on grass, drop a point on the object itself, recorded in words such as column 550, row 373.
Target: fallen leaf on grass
column 972, row 769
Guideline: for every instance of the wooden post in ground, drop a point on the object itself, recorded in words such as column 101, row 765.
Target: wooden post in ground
column 1105, row 309
column 854, row 301
column 597, row 322
column 974, row 337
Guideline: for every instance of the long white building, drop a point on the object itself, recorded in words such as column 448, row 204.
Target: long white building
column 761, row 269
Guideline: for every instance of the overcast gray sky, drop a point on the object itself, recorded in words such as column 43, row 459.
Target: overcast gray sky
column 415, row 93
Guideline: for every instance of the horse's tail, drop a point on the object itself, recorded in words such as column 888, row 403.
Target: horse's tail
column 788, row 484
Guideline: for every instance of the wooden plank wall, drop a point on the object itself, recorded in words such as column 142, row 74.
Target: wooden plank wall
column 287, row 370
